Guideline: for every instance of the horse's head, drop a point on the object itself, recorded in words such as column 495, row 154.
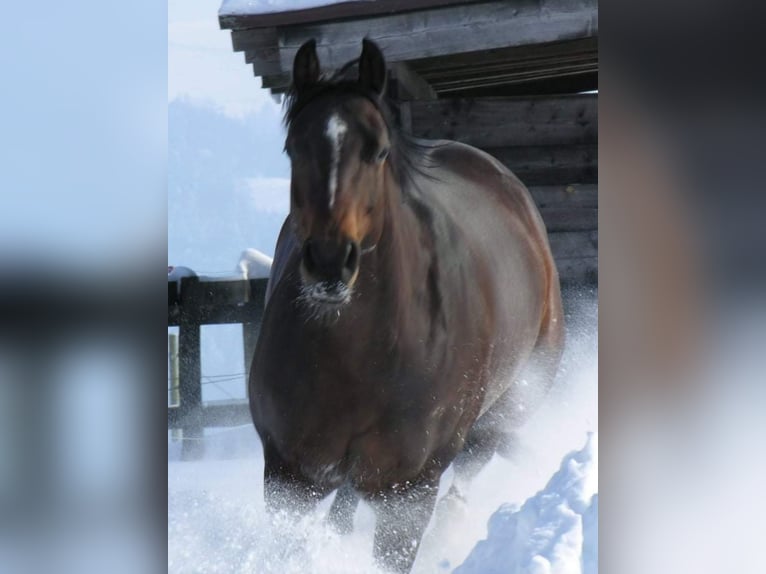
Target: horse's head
column 338, row 143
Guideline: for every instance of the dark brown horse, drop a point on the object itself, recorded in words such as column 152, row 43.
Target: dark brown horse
column 413, row 313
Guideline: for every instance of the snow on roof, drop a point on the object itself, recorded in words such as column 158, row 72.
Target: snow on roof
column 238, row 7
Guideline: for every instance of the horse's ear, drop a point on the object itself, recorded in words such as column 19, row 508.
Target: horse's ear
column 372, row 67
column 306, row 66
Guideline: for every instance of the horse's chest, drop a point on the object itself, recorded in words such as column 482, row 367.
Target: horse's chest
column 374, row 440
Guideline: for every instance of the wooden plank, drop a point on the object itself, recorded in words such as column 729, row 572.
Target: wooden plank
column 220, row 292
column 243, row 40
column 473, row 70
column 582, row 49
column 174, row 396
column 173, row 293
column 487, row 80
column 264, row 60
column 529, row 64
column 215, row 414
column 565, row 84
column 221, row 314
column 275, row 81
column 578, row 270
column 567, row 219
column 574, row 244
column 501, row 122
column 227, row 413
column 217, row 302
column 229, row 19
column 485, row 67
column 438, row 32
column 565, row 196
column 190, row 375
column 228, row 314
column 550, row 165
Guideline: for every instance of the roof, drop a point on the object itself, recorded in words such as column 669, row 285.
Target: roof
column 259, row 13
column 443, row 47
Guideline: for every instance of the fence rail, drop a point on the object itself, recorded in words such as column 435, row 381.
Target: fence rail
column 192, row 303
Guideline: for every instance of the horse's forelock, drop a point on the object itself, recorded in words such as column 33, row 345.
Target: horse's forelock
column 298, row 100
column 409, row 157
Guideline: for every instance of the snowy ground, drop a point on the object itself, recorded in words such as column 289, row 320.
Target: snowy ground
column 541, row 511
column 556, row 530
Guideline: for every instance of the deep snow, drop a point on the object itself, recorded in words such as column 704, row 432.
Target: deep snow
column 541, row 512
column 556, row 530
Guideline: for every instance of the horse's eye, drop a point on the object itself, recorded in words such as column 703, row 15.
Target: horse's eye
column 382, row 155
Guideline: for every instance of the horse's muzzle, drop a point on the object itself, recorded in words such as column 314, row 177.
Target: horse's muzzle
column 330, row 262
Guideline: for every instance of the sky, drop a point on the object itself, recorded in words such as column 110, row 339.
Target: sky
column 228, row 179
column 202, row 65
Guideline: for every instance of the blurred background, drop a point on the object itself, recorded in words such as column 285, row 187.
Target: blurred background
column 83, row 168
column 84, row 179
column 682, row 322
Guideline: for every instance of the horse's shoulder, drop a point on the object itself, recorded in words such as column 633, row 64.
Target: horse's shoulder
column 472, row 163
column 479, row 179
column 482, row 171
column 287, row 244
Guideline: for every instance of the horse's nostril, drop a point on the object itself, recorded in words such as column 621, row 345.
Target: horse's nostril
column 352, row 256
column 330, row 260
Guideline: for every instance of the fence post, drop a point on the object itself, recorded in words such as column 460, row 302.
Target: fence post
column 190, row 369
column 250, row 332
column 174, row 397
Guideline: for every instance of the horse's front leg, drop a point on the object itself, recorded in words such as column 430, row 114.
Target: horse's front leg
column 402, row 515
column 341, row 515
column 285, row 488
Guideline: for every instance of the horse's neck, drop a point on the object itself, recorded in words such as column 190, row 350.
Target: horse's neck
column 402, row 260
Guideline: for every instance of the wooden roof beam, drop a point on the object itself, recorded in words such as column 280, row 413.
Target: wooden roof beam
column 442, row 31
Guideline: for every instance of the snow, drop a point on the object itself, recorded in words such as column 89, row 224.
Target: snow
column 254, row 265
column 178, row 272
column 555, row 531
column 237, row 7
column 217, row 521
column 225, row 528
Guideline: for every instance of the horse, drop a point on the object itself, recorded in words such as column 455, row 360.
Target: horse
column 413, row 311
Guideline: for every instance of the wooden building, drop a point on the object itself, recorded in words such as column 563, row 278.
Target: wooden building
column 517, row 78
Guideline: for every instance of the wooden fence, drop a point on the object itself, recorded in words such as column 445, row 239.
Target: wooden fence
column 192, row 303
